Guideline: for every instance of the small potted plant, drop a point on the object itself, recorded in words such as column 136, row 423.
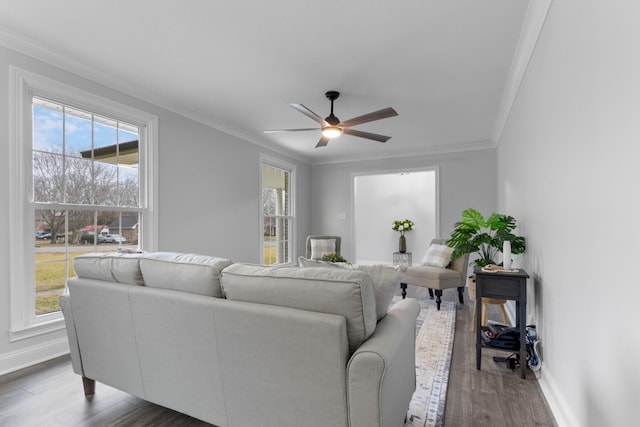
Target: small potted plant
column 333, row 257
column 402, row 226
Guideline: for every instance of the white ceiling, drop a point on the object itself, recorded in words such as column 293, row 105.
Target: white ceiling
column 234, row 64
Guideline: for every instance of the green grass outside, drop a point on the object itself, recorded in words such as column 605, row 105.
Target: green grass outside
column 269, row 254
column 50, row 272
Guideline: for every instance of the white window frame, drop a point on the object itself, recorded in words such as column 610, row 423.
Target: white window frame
column 291, row 168
column 24, row 85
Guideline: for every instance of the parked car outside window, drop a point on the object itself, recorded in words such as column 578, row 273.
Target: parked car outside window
column 42, row 235
column 114, row 238
column 90, row 238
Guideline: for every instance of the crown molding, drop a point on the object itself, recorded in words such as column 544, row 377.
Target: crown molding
column 418, row 152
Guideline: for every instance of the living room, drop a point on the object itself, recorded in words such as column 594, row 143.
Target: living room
column 562, row 163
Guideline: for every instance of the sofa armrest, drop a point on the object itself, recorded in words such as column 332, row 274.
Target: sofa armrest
column 381, row 374
column 76, row 361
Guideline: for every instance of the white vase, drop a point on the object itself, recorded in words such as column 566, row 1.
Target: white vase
column 506, row 255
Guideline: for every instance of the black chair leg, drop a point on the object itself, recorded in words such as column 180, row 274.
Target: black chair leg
column 461, row 294
column 403, row 286
column 430, row 293
column 438, row 299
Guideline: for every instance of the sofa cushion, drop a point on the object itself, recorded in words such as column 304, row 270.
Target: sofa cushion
column 109, row 266
column 386, row 279
column 198, row 274
column 338, row 291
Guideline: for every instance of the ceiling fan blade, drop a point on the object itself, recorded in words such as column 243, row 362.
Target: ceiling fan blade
column 323, row 142
column 304, row 110
column 288, row 130
column 376, row 115
column 368, row 135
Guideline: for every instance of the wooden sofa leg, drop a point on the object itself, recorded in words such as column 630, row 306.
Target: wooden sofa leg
column 438, row 299
column 403, row 286
column 430, row 293
column 89, row 386
column 461, row 294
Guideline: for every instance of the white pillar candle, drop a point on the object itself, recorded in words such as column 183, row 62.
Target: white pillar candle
column 506, row 255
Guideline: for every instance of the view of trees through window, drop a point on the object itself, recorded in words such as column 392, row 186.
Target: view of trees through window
column 86, row 194
column 276, row 214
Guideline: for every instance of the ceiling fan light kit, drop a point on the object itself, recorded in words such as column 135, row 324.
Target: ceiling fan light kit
column 332, row 127
column 331, row 131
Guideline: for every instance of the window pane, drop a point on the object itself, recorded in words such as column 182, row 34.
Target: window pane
column 47, row 126
column 104, row 132
column 48, row 177
column 105, row 184
column 78, row 181
column 51, row 276
column 275, row 182
column 128, row 186
column 78, row 132
column 268, row 201
column 120, row 230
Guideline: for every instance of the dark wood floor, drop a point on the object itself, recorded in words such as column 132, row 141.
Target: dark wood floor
column 50, row 394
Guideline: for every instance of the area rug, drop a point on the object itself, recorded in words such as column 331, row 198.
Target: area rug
column 434, row 345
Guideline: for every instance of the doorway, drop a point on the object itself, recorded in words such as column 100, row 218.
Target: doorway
column 381, row 198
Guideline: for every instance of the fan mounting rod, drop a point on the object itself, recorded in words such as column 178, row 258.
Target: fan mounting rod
column 332, row 95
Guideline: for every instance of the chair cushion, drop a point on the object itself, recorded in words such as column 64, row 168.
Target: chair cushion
column 322, row 247
column 438, row 256
column 433, row 277
column 338, row 291
column 197, row 274
column 110, row 266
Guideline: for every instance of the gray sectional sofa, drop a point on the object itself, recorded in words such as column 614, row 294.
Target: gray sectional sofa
column 239, row 344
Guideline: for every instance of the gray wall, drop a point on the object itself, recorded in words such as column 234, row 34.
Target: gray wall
column 208, row 197
column 465, row 179
column 568, row 171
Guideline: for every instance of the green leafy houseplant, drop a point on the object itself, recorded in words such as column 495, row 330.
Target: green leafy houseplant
column 475, row 234
column 333, row 257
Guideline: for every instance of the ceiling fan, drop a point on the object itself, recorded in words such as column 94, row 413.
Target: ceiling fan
column 332, row 127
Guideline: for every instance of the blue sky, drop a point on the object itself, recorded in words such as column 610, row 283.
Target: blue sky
column 48, row 132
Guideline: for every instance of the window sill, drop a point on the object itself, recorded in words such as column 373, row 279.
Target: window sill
column 35, row 330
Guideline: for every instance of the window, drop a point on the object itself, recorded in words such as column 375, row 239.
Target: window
column 82, row 182
column 277, row 212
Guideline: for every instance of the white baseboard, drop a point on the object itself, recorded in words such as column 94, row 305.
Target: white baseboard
column 29, row 356
column 558, row 404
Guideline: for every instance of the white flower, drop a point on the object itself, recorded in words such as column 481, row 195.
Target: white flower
column 406, row 225
column 401, row 228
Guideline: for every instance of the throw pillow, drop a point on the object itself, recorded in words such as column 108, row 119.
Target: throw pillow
column 438, row 256
column 322, row 247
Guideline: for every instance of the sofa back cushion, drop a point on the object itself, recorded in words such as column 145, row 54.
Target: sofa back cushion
column 386, row 279
column 110, row 266
column 343, row 292
column 197, row 274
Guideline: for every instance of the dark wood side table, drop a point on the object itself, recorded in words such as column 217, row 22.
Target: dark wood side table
column 511, row 286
